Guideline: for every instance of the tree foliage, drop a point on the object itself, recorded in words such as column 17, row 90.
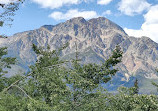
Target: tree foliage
column 51, row 86
column 126, row 101
column 7, row 10
column 5, row 62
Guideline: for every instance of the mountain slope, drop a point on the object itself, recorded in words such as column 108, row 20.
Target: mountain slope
column 95, row 38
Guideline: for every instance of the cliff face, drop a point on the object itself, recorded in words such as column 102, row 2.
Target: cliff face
column 95, row 38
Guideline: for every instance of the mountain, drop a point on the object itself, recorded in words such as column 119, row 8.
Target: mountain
column 95, row 38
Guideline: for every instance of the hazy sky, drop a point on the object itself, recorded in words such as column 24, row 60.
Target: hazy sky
column 137, row 17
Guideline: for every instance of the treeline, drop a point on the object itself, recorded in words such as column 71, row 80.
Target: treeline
column 52, row 86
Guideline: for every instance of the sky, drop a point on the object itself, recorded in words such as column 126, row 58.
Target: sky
column 137, row 17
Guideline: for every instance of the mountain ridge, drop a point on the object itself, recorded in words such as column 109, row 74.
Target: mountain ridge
column 95, row 38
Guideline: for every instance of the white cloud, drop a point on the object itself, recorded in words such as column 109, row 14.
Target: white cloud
column 103, row 2
column 55, row 3
column 149, row 27
column 132, row 7
column 52, row 4
column 73, row 13
column 87, row 1
column 107, row 12
column 135, row 33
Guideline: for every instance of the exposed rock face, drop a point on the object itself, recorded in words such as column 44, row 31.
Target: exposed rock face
column 95, row 38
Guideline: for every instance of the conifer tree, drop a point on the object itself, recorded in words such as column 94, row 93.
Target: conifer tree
column 136, row 87
column 85, row 82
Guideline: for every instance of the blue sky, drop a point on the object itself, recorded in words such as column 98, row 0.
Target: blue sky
column 137, row 17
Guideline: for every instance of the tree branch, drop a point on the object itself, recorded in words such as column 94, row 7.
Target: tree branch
column 16, row 82
column 22, row 90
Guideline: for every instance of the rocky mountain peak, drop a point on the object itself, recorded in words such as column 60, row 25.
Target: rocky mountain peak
column 95, row 38
column 48, row 27
column 144, row 41
column 99, row 20
column 147, row 40
column 78, row 26
column 105, row 23
column 77, row 20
